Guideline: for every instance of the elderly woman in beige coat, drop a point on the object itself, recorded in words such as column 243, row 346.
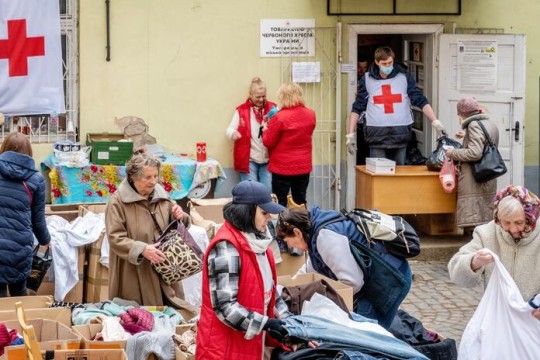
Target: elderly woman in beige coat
column 474, row 200
column 131, row 233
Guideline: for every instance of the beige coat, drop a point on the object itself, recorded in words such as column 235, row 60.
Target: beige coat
column 129, row 229
column 521, row 259
column 474, row 200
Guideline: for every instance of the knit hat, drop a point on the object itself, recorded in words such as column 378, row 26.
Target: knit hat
column 530, row 202
column 467, row 106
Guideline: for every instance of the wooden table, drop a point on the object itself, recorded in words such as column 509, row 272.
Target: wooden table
column 411, row 190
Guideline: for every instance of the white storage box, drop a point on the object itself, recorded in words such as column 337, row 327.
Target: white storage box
column 380, row 166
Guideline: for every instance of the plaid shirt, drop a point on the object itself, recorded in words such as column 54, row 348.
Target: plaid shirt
column 223, row 274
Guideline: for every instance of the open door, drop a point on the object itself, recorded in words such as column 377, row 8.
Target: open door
column 490, row 68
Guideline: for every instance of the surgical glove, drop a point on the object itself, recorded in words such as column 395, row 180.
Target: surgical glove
column 276, row 329
column 351, row 143
column 437, row 125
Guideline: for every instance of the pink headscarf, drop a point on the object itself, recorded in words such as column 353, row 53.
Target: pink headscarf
column 529, row 201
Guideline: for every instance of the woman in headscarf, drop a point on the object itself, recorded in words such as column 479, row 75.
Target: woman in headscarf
column 512, row 235
column 473, row 198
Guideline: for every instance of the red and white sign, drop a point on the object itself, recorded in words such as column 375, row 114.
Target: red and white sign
column 31, row 73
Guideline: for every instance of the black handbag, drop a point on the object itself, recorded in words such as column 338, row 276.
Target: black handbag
column 436, row 160
column 40, row 264
column 491, row 165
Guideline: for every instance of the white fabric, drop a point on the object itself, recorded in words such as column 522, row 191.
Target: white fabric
column 325, row 308
column 395, row 114
column 258, row 152
column 112, row 330
column 335, row 252
column 193, row 284
column 104, row 259
column 502, row 326
column 35, row 84
column 65, row 238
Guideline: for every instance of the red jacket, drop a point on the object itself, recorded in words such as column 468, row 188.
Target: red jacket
column 242, row 146
column 288, row 139
column 215, row 340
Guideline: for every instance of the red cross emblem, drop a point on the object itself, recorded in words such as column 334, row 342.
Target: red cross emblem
column 18, row 47
column 387, row 99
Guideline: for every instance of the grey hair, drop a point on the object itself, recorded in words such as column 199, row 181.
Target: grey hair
column 137, row 163
column 508, row 206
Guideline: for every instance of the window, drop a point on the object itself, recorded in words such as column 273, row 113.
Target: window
column 44, row 128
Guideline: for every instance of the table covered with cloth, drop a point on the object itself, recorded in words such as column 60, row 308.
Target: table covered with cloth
column 94, row 183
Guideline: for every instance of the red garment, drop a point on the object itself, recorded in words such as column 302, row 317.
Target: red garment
column 6, row 337
column 135, row 320
column 215, row 340
column 242, row 146
column 288, row 139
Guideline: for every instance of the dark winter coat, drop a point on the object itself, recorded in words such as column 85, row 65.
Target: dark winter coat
column 22, row 215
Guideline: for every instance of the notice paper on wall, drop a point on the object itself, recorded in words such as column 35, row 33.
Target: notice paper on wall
column 306, row 72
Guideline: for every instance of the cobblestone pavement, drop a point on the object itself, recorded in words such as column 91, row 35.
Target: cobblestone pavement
column 441, row 305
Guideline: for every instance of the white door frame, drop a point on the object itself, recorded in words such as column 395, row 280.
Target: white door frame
column 353, row 31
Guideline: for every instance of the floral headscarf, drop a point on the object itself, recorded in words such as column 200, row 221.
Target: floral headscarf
column 530, row 202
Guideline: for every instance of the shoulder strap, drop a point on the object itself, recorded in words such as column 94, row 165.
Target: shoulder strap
column 327, row 222
column 485, row 132
column 28, row 192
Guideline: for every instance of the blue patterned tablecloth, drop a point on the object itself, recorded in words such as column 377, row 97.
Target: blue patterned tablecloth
column 94, row 183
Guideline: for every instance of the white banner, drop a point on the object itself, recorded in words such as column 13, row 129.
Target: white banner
column 285, row 37
column 31, row 80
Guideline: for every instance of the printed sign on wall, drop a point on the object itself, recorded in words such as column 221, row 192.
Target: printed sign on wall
column 287, row 38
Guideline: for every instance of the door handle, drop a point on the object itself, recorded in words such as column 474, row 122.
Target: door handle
column 516, row 131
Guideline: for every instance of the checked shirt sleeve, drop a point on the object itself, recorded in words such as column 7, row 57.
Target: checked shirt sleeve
column 223, row 274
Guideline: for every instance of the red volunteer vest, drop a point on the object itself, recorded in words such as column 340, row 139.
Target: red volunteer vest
column 242, row 146
column 215, row 340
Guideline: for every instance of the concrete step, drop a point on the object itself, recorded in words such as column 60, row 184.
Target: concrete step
column 440, row 247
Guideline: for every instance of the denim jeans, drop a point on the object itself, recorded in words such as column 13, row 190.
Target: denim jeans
column 17, row 289
column 326, row 351
column 258, row 172
column 323, row 330
column 397, row 154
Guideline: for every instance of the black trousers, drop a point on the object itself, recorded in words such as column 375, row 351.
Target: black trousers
column 297, row 184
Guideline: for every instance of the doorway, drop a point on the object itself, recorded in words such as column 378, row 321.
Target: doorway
column 405, row 40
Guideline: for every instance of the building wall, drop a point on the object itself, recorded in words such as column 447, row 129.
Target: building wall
column 183, row 66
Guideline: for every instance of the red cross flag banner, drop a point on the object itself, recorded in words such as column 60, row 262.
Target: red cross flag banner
column 31, row 79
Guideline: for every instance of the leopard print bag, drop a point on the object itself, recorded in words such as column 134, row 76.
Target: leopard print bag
column 183, row 257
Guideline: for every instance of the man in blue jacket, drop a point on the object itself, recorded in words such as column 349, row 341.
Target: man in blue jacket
column 386, row 94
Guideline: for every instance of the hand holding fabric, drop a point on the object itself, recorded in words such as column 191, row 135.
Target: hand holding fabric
column 351, row 143
column 235, row 135
column 177, row 212
column 482, row 258
column 276, row 329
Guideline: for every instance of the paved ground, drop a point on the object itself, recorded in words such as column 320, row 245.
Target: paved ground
column 441, row 305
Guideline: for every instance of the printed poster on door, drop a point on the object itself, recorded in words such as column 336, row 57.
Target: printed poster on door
column 287, row 37
column 477, row 66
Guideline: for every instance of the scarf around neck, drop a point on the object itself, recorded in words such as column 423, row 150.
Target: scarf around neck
column 258, row 111
column 258, row 246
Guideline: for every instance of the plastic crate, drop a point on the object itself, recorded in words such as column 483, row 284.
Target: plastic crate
column 107, row 150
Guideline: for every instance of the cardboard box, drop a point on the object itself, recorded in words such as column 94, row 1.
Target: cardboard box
column 290, row 264
column 345, row 291
column 96, row 277
column 29, row 302
column 66, row 211
column 75, row 294
column 380, row 166
column 60, row 314
column 85, row 354
column 434, row 224
column 108, row 150
column 50, row 335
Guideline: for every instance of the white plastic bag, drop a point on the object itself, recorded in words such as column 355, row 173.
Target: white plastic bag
column 79, row 158
column 502, row 326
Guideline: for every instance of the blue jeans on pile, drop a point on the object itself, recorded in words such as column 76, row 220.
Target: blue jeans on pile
column 309, row 327
column 258, row 172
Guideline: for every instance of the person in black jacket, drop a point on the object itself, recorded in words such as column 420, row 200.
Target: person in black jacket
column 22, row 213
column 385, row 94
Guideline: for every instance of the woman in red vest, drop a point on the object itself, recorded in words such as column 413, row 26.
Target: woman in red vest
column 288, row 138
column 239, row 301
column 250, row 155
